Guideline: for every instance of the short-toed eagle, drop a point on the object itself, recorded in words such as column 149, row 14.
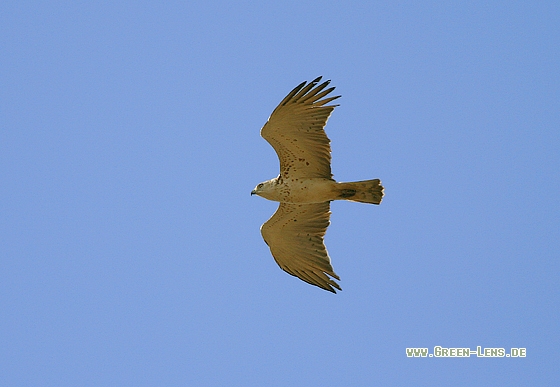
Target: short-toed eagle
column 305, row 186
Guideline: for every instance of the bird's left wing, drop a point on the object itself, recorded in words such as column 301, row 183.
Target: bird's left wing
column 295, row 131
column 295, row 236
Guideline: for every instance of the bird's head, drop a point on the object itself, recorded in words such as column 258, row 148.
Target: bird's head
column 266, row 189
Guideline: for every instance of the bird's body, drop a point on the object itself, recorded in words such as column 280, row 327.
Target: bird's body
column 318, row 190
column 305, row 186
column 295, row 190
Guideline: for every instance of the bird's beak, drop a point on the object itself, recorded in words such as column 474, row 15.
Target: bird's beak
column 253, row 192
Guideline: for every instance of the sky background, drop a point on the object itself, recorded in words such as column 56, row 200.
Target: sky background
column 130, row 250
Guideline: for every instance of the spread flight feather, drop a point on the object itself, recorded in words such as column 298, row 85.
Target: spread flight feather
column 295, row 131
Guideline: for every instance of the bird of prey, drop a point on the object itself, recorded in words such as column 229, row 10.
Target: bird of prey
column 305, row 186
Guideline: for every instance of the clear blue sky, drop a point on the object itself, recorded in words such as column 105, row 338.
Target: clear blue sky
column 130, row 251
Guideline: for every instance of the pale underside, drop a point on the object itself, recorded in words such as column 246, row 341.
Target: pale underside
column 295, row 232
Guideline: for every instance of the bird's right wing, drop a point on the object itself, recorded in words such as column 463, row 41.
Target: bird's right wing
column 295, row 236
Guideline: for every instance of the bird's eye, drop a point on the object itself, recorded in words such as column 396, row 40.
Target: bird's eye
column 260, row 185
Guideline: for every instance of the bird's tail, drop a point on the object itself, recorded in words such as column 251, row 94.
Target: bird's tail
column 367, row 191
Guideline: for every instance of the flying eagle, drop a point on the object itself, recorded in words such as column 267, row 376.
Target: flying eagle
column 305, row 186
